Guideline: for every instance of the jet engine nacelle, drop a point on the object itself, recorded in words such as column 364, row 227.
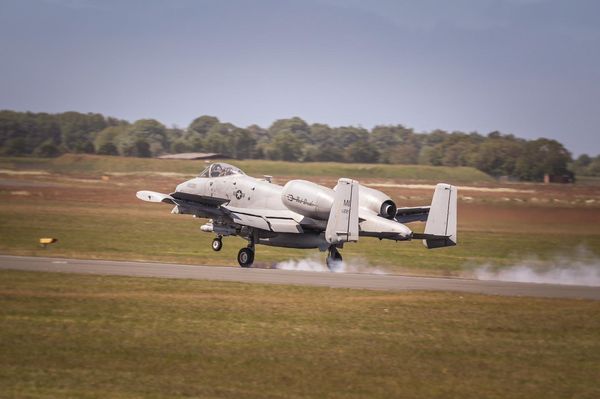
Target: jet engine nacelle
column 377, row 202
column 307, row 199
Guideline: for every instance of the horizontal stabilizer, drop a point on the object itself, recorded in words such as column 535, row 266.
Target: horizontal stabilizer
column 412, row 214
column 342, row 225
column 440, row 229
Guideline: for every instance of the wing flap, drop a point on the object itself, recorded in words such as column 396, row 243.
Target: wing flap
column 250, row 220
column 284, row 225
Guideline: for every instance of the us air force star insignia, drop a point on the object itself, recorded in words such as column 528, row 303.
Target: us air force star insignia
column 239, row 194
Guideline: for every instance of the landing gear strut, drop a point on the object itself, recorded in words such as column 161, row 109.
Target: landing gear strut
column 334, row 258
column 217, row 244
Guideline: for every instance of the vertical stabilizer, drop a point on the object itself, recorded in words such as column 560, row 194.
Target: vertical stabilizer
column 441, row 222
column 342, row 225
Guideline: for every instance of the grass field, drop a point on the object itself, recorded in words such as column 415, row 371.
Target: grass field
column 66, row 335
column 82, row 336
column 97, row 216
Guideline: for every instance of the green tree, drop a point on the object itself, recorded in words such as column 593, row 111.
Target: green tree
column 110, row 137
column 321, row 133
column 407, row 154
column 295, row 126
column 498, row 155
column 107, row 149
column 15, row 146
column 203, row 124
column 242, row 143
column 285, row 146
column 47, row 150
column 150, row 131
column 363, row 152
column 23, row 132
column 542, row 156
column 78, row 130
column 347, row 135
column 593, row 169
column 389, row 140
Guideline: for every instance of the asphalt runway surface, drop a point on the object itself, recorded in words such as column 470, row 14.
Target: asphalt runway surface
column 386, row 282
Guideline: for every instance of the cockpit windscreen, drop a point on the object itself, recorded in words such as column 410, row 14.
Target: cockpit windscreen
column 220, row 169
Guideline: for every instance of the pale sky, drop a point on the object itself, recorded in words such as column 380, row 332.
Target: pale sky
column 527, row 67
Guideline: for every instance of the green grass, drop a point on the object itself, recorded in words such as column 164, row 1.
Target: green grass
column 68, row 335
column 149, row 232
column 105, row 164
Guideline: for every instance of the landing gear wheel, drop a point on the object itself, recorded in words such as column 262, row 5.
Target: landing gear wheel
column 245, row 257
column 217, row 244
column 334, row 259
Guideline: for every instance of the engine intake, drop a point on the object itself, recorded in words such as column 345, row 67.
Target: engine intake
column 388, row 209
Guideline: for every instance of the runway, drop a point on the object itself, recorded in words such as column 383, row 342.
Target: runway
column 272, row 276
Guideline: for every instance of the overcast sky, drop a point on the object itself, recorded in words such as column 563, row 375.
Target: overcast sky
column 527, row 67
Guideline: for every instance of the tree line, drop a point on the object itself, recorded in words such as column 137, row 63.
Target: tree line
column 292, row 139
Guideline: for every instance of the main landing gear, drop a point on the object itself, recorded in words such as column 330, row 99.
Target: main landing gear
column 246, row 255
column 334, row 258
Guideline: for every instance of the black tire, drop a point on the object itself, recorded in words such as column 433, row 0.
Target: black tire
column 245, row 257
column 217, row 244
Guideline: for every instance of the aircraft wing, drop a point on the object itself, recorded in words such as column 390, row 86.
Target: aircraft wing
column 200, row 199
column 277, row 221
column 412, row 214
column 185, row 203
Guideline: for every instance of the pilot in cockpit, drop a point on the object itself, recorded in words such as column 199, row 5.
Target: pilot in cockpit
column 220, row 169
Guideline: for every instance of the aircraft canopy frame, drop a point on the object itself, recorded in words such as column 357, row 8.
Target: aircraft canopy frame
column 220, row 169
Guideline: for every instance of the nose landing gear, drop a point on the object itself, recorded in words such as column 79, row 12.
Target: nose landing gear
column 217, row 244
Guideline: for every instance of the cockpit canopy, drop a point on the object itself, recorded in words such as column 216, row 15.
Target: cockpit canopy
column 220, row 169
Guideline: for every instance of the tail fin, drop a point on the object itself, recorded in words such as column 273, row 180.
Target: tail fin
column 440, row 229
column 342, row 225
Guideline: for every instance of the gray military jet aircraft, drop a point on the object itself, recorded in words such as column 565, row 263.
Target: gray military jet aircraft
column 302, row 214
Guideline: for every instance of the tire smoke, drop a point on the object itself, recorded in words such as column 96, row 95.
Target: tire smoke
column 580, row 268
column 315, row 264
